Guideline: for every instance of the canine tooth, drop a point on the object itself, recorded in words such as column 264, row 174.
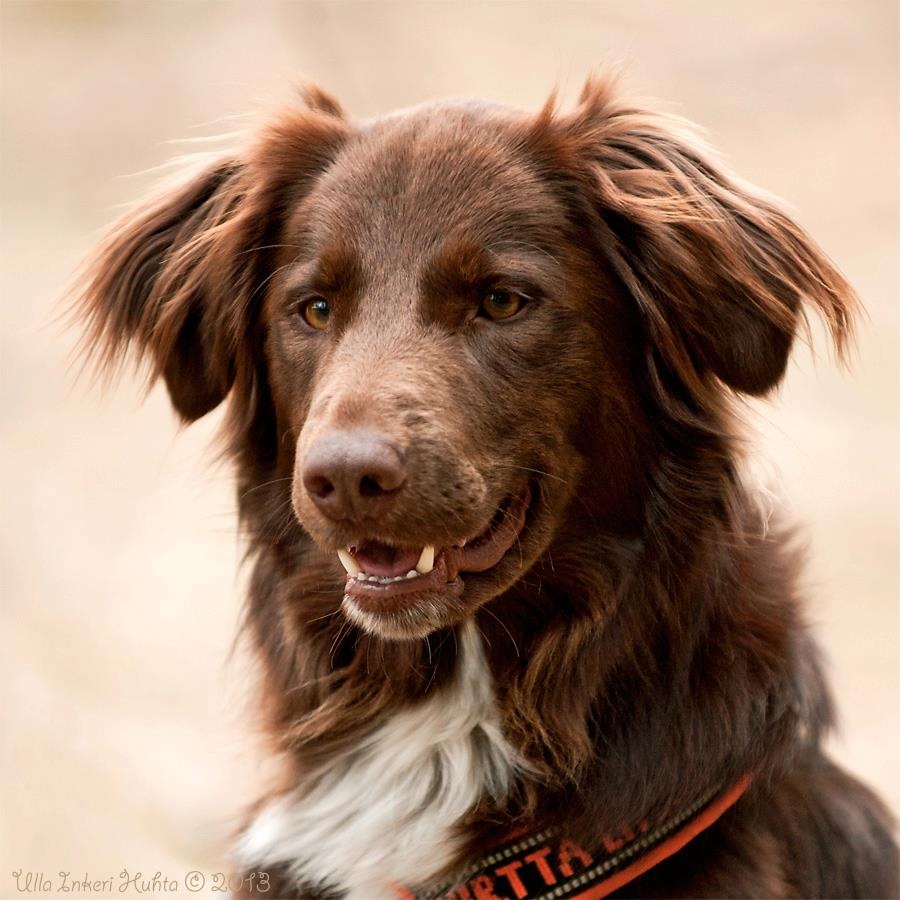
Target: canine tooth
column 360, row 576
column 426, row 560
column 348, row 562
column 412, row 573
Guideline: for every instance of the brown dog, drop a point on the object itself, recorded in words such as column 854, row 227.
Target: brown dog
column 523, row 630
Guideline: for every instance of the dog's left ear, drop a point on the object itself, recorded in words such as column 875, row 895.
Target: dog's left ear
column 716, row 269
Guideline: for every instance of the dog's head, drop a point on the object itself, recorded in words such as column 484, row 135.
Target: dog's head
column 443, row 329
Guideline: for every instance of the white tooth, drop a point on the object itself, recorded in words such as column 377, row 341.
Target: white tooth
column 361, row 576
column 348, row 562
column 426, row 560
column 412, row 573
column 373, row 578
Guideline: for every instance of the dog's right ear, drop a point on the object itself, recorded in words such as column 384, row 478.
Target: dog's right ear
column 152, row 285
column 180, row 278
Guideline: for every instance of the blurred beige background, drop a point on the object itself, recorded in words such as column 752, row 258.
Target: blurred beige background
column 124, row 737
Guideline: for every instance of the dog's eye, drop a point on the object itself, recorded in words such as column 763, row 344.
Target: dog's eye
column 498, row 305
column 315, row 311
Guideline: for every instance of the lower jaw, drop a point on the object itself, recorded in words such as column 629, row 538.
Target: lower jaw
column 413, row 609
column 400, row 595
column 412, row 618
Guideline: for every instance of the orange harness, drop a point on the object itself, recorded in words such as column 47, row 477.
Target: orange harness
column 546, row 866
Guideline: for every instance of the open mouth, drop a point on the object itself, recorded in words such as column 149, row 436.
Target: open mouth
column 379, row 573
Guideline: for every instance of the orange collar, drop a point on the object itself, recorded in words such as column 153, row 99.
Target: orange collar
column 546, row 865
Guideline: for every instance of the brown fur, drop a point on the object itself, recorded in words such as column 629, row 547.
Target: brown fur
column 645, row 635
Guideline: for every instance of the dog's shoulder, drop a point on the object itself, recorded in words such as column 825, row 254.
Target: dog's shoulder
column 815, row 832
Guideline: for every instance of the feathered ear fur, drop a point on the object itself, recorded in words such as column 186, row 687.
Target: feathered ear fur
column 716, row 269
column 179, row 278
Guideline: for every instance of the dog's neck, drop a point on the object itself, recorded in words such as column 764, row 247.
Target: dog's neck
column 388, row 806
column 652, row 691
column 691, row 633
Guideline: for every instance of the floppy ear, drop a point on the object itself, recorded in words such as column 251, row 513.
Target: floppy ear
column 179, row 278
column 153, row 284
column 717, row 270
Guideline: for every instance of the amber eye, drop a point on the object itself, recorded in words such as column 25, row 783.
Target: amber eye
column 316, row 312
column 498, row 305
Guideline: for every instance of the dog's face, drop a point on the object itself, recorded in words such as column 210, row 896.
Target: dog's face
column 450, row 323
column 432, row 348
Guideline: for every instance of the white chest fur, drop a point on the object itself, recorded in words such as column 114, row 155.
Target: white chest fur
column 384, row 811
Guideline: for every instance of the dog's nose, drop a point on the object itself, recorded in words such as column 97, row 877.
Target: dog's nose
column 353, row 474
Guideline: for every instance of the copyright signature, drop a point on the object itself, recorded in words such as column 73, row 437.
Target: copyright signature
column 137, row 882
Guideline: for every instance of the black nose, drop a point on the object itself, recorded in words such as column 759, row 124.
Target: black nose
column 354, row 473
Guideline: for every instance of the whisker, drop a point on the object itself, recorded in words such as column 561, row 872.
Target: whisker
column 529, row 246
column 270, row 247
column 483, row 635
column 500, row 622
column 345, row 627
column 268, row 278
column 259, row 487
column 326, row 616
column 528, row 469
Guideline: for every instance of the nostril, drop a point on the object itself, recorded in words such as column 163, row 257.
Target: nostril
column 369, row 487
column 319, row 486
column 381, row 483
